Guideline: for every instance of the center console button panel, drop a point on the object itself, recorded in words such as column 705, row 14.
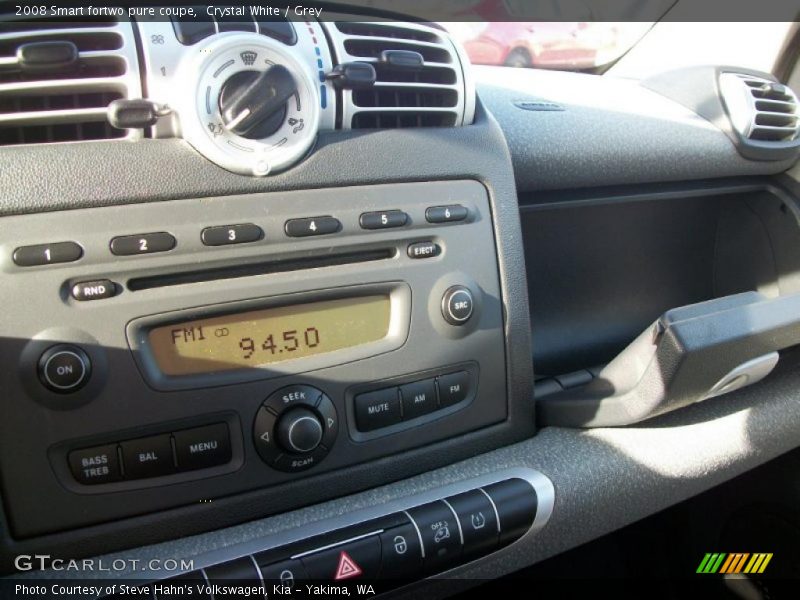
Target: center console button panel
column 404, row 546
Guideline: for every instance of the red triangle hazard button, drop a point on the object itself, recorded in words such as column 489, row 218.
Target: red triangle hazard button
column 347, row 567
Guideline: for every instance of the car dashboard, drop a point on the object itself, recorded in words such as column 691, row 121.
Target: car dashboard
column 318, row 300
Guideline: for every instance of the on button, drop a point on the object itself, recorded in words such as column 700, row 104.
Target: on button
column 64, row 369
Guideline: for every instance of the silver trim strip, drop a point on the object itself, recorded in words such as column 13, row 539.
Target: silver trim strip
column 260, row 574
column 419, row 533
column 337, row 544
column 458, row 521
column 494, row 507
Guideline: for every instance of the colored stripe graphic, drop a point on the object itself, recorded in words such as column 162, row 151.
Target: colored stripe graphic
column 735, row 563
column 711, row 562
column 758, row 563
column 724, row 563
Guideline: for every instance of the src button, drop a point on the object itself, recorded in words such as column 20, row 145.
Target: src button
column 457, row 305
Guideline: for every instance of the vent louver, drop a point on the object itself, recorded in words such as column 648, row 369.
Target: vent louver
column 440, row 94
column 66, row 104
column 760, row 110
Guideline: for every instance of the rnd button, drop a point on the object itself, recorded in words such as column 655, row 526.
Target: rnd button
column 93, row 290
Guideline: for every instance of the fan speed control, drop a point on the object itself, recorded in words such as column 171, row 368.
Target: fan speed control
column 247, row 103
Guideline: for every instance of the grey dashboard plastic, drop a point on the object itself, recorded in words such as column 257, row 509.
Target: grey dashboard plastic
column 611, row 131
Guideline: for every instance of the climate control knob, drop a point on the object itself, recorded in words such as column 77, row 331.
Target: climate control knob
column 299, row 431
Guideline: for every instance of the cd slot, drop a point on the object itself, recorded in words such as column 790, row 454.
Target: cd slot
column 260, row 268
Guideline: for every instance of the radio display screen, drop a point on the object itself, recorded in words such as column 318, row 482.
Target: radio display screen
column 262, row 337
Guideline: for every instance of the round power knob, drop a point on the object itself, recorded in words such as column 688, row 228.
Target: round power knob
column 64, row 369
column 299, row 430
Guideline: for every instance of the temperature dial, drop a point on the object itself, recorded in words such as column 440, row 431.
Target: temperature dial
column 247, row 103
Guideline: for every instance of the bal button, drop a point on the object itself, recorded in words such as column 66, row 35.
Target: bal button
column 64, row 369
column 457, row 305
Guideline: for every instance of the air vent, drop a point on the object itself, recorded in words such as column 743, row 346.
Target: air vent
column 65, row 104
column 439, row 94
column 760, row 110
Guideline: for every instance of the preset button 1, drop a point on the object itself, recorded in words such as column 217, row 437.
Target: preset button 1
column 47, row 254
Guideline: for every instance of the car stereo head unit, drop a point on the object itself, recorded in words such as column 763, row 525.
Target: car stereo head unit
column 175, row 346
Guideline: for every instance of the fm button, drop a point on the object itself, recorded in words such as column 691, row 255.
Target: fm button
column 457, row 305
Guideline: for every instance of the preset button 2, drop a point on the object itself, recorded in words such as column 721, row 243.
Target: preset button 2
column 142, row 243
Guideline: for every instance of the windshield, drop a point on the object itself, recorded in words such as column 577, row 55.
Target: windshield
column 565, row 45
